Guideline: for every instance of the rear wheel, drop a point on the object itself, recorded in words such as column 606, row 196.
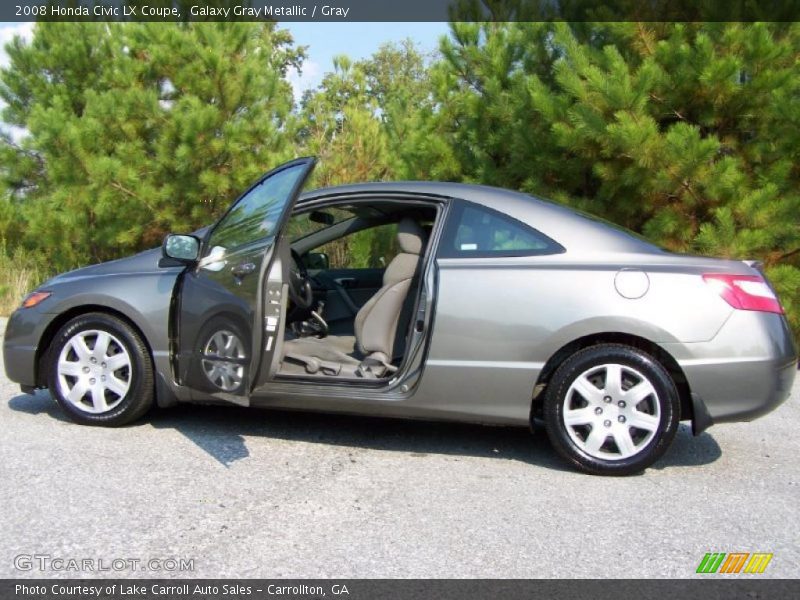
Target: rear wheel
column 611, row 410
column 99, row 371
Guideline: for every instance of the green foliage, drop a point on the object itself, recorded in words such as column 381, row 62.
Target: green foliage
column 367, row 249
column 686, row 132
column 786, row 279
column 363, row 122
column 139, row 129
column 10, row 220
column 364, row 119
column 360, row 250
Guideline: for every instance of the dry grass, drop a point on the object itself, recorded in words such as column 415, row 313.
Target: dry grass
column 19, row 274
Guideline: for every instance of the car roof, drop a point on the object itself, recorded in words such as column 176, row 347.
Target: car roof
column 572, row 229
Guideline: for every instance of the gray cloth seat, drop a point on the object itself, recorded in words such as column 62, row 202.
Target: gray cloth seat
column 370, row 352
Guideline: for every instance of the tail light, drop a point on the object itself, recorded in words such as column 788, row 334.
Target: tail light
column 745, row 292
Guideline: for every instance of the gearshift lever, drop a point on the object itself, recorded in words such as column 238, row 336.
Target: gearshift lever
column 317, row 314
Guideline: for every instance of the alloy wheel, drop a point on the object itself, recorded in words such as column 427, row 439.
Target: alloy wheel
column 611, row 412
column 94, row 371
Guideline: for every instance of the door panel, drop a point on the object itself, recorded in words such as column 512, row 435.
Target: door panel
column 227, row 313
column 344, row 292
column 360, row 284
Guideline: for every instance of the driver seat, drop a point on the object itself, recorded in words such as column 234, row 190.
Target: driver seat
column 369, row 353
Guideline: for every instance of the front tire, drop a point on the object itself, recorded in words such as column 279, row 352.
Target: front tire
column 100, row 371
column 611, row 409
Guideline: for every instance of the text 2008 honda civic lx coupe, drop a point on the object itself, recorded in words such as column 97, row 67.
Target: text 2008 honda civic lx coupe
column 469, row 303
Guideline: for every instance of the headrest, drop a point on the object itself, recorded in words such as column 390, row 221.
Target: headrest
column 410, row 236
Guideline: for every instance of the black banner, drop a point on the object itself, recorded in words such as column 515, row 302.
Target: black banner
column 405, row 10
column 713, row 588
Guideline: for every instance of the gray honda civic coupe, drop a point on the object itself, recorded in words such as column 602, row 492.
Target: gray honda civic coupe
column 420, row 300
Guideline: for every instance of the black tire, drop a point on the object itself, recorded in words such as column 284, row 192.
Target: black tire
column 139, row 397
column 653, row 443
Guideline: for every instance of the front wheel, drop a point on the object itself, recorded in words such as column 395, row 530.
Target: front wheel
column 99, row 371
column 611, row 410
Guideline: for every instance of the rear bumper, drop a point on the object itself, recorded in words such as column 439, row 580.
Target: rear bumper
column 744, row 372
column 744, row 391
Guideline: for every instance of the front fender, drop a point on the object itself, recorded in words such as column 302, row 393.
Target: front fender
column 143, row 298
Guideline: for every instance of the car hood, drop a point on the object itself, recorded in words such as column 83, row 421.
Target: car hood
column 144, row 262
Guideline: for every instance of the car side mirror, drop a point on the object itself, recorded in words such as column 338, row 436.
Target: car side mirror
column 183, row 248
column 317, row 261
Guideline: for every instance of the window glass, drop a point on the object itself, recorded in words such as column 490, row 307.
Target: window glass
column 371, row 248
column 256, row 214
column 299, row 226
column 478, row 231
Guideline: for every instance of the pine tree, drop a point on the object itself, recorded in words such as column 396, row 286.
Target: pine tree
column 685, row 132
column 135, row 130
column 341, row 126
column 364, row 118
column 362, row 123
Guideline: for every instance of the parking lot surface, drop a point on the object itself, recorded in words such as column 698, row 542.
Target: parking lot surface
column 250, row 493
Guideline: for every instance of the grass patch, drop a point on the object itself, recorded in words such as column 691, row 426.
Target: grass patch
column 20, row 272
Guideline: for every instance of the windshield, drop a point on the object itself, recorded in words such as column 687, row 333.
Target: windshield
column 302, row 225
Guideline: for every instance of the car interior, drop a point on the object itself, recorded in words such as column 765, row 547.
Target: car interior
column 353, row 281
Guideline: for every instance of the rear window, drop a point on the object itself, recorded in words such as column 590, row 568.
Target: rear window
column 476, row 231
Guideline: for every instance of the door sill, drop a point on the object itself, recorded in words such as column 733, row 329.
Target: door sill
column 334, row 381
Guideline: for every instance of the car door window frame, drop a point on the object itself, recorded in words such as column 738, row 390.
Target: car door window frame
column 281, row 222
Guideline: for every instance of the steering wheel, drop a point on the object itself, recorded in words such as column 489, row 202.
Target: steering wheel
column 300, row 292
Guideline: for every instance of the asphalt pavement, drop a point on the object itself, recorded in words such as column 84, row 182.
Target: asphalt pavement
column 237, row 492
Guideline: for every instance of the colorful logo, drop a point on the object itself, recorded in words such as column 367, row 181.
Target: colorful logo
column 733, row 563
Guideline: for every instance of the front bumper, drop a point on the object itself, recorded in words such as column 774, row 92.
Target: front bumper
column 744, row 372
column 24, row 330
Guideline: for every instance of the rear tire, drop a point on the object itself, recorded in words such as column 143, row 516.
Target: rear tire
column 99, row 371
column 611, row 409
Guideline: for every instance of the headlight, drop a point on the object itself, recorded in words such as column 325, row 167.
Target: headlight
column 35, row 298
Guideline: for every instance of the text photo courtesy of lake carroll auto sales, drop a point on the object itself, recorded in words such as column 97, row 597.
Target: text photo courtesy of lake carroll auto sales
column 179, row 589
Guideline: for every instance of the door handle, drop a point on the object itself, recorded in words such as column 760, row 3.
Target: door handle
column 243, row 269
column 346, row 282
